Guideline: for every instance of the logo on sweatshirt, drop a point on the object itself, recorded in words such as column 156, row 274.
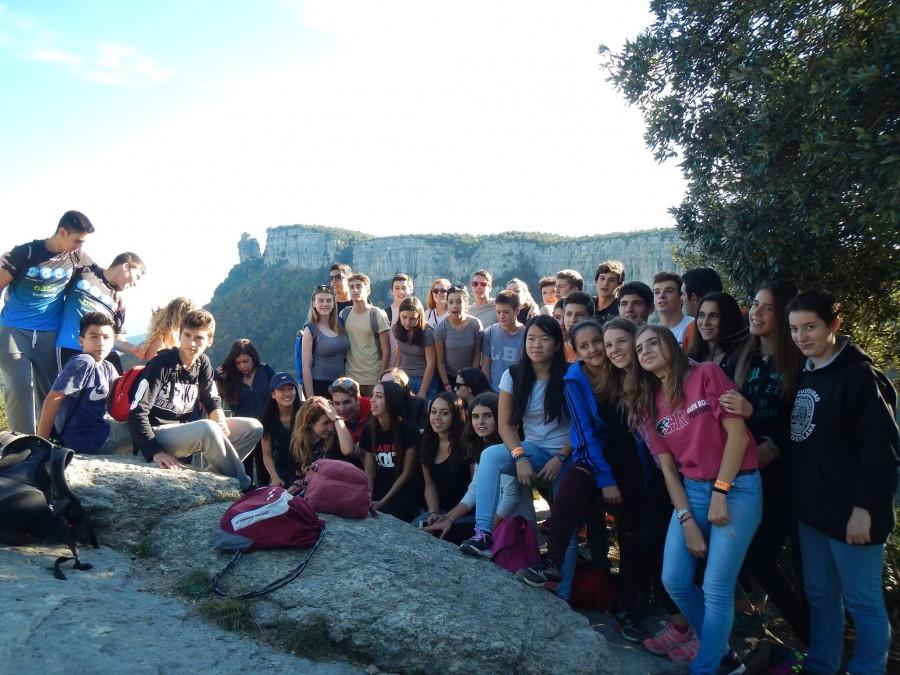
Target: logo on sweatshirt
column 802, row 414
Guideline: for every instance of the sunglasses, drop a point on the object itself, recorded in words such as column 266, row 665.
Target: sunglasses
column 479, row 283
column 440, row 290
column 457, row 385
column 324, row 288
column 343, row 383
column 334, row 277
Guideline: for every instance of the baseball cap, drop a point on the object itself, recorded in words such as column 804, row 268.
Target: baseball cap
column 281, row 379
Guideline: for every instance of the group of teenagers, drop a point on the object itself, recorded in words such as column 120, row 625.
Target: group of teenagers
column 714, row 435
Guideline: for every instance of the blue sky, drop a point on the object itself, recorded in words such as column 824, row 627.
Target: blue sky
column 177, row 126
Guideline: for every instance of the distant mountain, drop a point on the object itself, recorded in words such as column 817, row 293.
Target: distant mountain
column 266, row 296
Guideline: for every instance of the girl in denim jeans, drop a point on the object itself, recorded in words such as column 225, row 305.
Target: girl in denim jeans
column 709, row 462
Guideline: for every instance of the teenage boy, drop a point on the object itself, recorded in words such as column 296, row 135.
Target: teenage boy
column 401, row 289
column 578, row 307
column 667, row 300
column 608, row 279
column 696, row 283
column 636, row 302
column 368, row 328
column 547, row 286
column 75, row 409
column 35, row 276
column 93, row 289
column 483, row 307
column 163, row 409
column 350, row 406
column 568, row 281
column 502, row 343
column 338, row 276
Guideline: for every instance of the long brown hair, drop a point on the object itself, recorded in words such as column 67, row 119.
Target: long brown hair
column 230, row 376
column 302, row 441
column 167, row 320
column 313, row 316
column 641, row 386
column 613, row 376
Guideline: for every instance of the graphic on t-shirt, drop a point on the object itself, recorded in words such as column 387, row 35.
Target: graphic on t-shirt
column 802, row 414
column 680, row 419
column 178, row 397
column 384, row 455
column 99, row 394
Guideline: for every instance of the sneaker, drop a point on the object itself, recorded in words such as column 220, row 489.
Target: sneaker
column 629, row 628
column 686, row 651
column 540, row 574
column 480, row 544
column 667, row 639
column 731, row 664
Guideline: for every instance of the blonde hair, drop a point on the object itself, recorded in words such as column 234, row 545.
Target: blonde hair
column 313, row 316
column 165, row 322
column 302, row 440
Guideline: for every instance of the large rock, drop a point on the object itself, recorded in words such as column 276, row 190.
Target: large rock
column 126, row 496
column 396, row 597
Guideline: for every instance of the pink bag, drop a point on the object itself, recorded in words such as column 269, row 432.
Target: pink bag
column 515, row 545
column 337, row 487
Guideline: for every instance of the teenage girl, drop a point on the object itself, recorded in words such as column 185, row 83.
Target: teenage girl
column 469, row 383
column 843, row 474
column 481, row 432
column 709, row 462
column 720, row 327
column 415, row 345
column 324, row 345
column 315, row 431
column 457, row 340
column 165, row 323
column 391, row 458
column 278, row 424
column 527, row 306
column 437, row 302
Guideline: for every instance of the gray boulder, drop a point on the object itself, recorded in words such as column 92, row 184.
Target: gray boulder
column 126, row 496
column 393, row 596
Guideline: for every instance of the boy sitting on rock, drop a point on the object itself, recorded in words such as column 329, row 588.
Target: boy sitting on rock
column 162, row 420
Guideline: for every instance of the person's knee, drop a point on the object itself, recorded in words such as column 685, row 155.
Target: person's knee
column 677, row 579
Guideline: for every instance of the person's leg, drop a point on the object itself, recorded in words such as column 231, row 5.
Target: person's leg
column 205, row 437
column 495, row 460
column 43, row 363
column 826, row 608
column 859, row 570
column 16, row 373
column 245, row 433
column 727, row 546
column 574, row 497
column 679, row 566
column 118, row 441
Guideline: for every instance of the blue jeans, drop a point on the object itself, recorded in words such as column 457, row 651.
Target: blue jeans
column 710, row 611
column 836, row 573
column 434, row 388
column 496, row 460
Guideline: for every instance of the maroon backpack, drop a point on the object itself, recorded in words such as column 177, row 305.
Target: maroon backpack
column 515, row 545
column 337, row 487
column 267, row 518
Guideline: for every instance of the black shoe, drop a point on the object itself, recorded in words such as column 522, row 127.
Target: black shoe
column 540, row 574
column 629, row 628
column 479, row 544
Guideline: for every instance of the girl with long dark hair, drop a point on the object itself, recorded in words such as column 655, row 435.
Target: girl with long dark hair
column 278, row 425
column 391, row 458
column 415, row 345
column 720, row 327
column 324, row 345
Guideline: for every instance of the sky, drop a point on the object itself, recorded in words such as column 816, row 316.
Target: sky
column 177, row 126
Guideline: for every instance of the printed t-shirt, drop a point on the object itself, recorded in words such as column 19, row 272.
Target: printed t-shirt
column 363, row 362
column 34, row 298
column 551, row 435
column 693, row 432
column 459, row 343
column 504, row 350
column 385, row 454
column 89, row 291
column 413, row 356
column 81, row 417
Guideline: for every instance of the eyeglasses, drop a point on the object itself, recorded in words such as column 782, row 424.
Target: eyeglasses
column 334, row 277
column 476, row 284
column 440, row 290
column 343, row 383
column 457, row 385
column 324, row 288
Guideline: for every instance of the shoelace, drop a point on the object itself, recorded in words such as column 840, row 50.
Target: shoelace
column 480, row 535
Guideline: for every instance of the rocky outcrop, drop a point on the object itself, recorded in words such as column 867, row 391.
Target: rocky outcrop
column 394, row 596
column 126, row 496
column 248, row 248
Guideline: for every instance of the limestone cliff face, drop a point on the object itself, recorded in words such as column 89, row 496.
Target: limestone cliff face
column 427, row 257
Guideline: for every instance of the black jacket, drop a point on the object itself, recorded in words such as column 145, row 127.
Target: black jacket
column 844, row 445
column 168, row 392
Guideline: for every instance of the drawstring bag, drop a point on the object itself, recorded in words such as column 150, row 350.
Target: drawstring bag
column 337, row 487
column 267, row 518
column 515, row 545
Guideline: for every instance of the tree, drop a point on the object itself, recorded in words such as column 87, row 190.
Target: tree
column 785, row 117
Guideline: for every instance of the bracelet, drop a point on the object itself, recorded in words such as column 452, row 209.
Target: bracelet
column 561, row 457
column 721, row 486
column 517, row 452
column 688, row 516
column 520, row 458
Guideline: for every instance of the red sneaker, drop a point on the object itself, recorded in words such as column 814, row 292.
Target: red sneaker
column 667, row 639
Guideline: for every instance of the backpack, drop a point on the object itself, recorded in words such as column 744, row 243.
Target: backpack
column 593, row 589
column 515, row 545
column 267, row 518
column 123, row 391
column 298, row 348
column 373, row 323
column 337, row 487
column 36, row 503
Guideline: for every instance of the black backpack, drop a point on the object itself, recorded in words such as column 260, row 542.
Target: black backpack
column 36, row 503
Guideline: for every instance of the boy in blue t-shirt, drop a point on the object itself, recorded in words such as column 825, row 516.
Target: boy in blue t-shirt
column 34, row 276
column 75, row 409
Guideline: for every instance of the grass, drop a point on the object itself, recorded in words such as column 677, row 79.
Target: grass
column 196, row 585
column 4, row 425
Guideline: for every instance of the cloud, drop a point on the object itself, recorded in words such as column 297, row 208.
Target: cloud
column 101, row 62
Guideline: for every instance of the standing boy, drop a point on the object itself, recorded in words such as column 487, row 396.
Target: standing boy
column 75, row 409
column 667, row 300
column 338, row 277
column 35, row 276
column 483, row 307
column 568, row 281
column 608, row 278
column 401, row 289
column 636, row 302
column 502, row 343
column 172, row 383
column 547, row 286
column 367, row 327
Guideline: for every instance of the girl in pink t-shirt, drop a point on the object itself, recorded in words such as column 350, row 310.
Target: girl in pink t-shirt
column 709, row 463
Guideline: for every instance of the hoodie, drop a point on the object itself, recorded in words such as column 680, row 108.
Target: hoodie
column 845, row 445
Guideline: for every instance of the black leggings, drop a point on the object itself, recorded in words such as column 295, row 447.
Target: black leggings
column 654, row 527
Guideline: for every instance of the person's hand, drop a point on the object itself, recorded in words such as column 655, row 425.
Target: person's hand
column 330, row 412
column 276, row 482
column 433, row 518
column 165, row 461
column 736, row 404
column 718, row 509
column 440, row 527
column 551, row 470
column 612, row 494
column 525, row 472
column 693, row 539
column 859, row 527
column 767, row 452
column 377, row 504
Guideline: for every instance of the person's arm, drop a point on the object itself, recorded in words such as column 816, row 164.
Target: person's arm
column 442, row 525
column 430, row 363
column 509, row 434
column 208, row 393
column 693, row 538
column 152, row 346
column 48, row 413
column 476, row 353
column 736, row 442
column 269, row 461
column 583, row 436
column 5, row 279
column 409, row 465
column 485, row 355
column 345, row 440
column 385, row 339
column 440, row 354
column 306, row 350
column 369, row 466
column 432, row 503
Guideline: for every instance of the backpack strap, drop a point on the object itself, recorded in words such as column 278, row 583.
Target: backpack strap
column 342, row 317
column 373, row 326
column 268, row 588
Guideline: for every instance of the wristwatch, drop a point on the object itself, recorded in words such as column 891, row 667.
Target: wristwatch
column 681, row 513
column 561, row 457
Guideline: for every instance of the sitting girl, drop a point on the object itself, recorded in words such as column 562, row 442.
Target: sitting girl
column 314, row 434
column 278, row 424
